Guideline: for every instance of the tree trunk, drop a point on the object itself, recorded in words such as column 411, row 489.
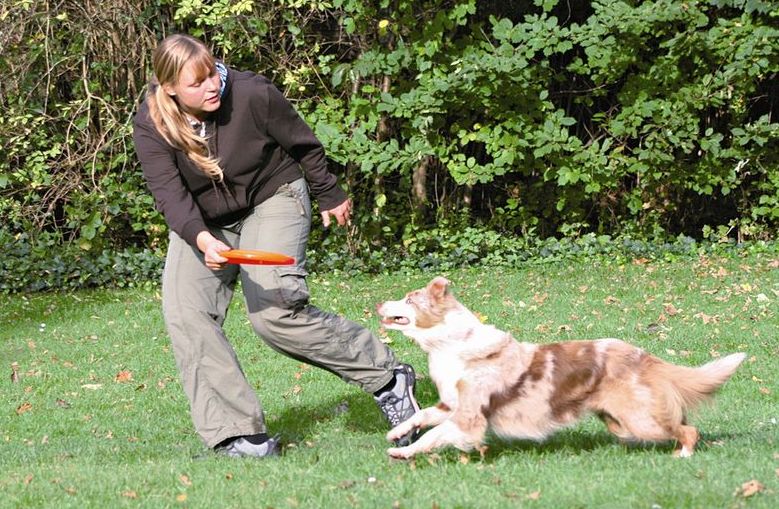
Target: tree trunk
column 419, row 184
column 382, row 133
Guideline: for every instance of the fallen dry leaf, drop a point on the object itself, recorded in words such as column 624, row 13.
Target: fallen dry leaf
column 123, row 376
column 707, row 319
column 24, row 407
column 181, row 497
column 14, row 372
column 750, row 488
column 433, row 458
column 535, row 495
column 129, row 494
column 721, row 272
column 185, row 480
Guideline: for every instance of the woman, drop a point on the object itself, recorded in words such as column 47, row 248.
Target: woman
column 230, row 164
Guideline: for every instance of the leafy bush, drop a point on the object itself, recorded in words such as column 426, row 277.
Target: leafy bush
column 44, row 264
column 465, row 130
column 616, row 116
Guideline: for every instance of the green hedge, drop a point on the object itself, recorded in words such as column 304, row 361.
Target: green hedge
column 528, row 121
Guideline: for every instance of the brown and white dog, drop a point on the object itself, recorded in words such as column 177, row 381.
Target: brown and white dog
column 486, row 379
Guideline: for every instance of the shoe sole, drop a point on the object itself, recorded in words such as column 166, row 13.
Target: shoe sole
column 412, row 436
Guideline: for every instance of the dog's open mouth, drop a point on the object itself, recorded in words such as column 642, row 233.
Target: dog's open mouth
column 395, row 320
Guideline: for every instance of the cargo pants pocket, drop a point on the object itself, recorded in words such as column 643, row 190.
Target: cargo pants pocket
column 292, row 287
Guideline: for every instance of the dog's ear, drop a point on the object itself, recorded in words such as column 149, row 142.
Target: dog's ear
column 438, row 287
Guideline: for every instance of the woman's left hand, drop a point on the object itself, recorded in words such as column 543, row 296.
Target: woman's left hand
column 342, row 213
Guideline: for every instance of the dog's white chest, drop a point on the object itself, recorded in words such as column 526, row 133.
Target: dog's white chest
column 446, row 370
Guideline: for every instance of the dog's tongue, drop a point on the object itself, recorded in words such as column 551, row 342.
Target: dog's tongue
column 397, row 320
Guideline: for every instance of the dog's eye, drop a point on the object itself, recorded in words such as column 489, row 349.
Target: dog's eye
column 408, row 301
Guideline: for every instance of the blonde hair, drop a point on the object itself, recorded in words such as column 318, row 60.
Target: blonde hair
column 168, row 59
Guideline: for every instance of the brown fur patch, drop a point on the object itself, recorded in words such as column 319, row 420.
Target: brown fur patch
column 514, row 391
column 431, row 308
column 576, row 374
column 511, row 393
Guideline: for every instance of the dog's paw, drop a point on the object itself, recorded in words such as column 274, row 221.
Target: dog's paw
column 684, row 452
column 398, row 432
column 400, row 453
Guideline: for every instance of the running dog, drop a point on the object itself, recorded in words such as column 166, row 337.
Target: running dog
column 488, row 380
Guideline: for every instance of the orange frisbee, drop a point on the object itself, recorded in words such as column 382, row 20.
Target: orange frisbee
column 255, row 257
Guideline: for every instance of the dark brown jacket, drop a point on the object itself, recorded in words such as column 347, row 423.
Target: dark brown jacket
column 261, row 143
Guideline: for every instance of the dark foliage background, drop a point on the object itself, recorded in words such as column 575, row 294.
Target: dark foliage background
column 466, row 131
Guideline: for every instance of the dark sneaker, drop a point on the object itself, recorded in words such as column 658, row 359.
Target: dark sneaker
column 398, row 404
column 240, row 447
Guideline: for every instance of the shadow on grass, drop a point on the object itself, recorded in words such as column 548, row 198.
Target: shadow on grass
column 574, row 441
column 357, row 410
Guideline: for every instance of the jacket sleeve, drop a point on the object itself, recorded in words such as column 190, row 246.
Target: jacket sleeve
column 171, row 196
column 293, row 134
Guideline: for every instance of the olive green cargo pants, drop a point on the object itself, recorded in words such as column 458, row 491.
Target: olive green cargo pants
column 195, row 300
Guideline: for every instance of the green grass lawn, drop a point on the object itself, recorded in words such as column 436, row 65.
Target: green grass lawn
column 92, row 413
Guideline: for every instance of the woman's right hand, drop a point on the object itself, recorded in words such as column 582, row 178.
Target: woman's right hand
column 211, row 247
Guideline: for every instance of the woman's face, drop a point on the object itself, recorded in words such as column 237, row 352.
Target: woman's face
column 198, row 95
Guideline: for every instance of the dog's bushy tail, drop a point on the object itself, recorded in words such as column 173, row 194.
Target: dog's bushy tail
column 692, row 386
